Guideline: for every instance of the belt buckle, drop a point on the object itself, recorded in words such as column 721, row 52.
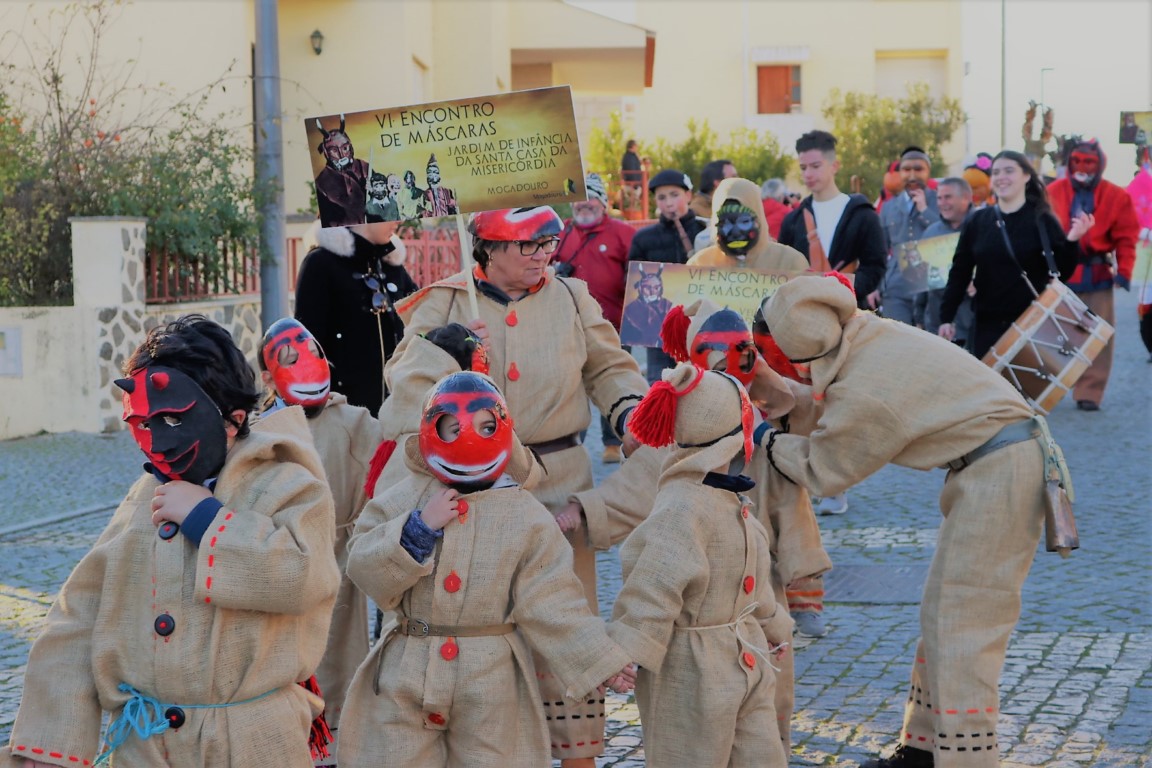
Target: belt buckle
column 412, row 630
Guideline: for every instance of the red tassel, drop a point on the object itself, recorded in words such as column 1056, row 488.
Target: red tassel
column 842, row 278
column 674, row 333
column 319, row 737
column 376, row 466
column 653, row 421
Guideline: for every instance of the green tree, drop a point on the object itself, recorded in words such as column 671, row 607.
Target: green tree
column 83, row 141
column 757, row 156
column 606, row 147
column 871, row 130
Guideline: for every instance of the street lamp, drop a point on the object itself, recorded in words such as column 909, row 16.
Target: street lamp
column 317, row 38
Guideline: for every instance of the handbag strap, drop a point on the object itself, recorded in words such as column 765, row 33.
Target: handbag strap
column 1045, row 245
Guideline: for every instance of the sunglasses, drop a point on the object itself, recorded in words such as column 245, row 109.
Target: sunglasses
column 380, row 302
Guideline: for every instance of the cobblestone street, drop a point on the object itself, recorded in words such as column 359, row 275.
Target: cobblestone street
column 1077, row 686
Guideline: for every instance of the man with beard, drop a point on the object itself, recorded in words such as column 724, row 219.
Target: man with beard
column 905, row 218
column 438, row 200
column 341, row 187
column 1107, row 251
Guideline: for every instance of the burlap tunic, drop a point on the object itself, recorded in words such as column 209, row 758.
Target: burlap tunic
column 346, row 437
column 550, row 352
column 250, row 610
column 505, row 561
column 695, row 605
column 895, row 394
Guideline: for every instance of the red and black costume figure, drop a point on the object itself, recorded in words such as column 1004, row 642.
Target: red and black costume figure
column 342, row 187
column 640, row 322
column 296, row 362
column 1107, row 250
column 345, row 293
column 181, row 431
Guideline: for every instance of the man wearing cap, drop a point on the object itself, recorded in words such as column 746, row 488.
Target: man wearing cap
column 905, row 217
column 1107, row 251
column 594, row 248
column 669, row 240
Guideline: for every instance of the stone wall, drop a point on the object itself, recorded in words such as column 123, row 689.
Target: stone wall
column 57, row 364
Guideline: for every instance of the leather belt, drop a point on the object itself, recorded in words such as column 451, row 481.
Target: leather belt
column 557, row 444
column 420, row 628
column 1009, row 435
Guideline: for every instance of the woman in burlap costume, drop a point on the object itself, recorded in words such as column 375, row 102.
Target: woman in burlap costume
column 216, row 634
column 295, row 370
column 499, row 581
column 928, row 404
column 696, row 611
column 550, row 350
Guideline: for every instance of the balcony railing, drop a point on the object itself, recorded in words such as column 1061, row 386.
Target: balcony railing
column 172, row 277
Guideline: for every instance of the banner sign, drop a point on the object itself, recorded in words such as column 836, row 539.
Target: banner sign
column 924, row 264
column 510, row 150
column 654, row 288
column 1135, row 127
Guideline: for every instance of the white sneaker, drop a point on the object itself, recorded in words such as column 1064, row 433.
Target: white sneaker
column 833, row 505
column 809, row 624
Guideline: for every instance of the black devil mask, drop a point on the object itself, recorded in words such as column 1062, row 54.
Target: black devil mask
column 725, row 334
column 175, row 423
column 466, row 434
column 299, row 369
column 737, row 228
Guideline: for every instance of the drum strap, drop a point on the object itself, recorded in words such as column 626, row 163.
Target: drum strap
column 1045, row 243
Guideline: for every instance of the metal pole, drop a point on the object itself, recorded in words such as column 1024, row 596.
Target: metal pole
column 270, row 163
column 1003, row 75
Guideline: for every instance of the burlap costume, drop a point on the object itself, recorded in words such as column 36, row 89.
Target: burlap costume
column 505, row 561
column 927, row 403
column 766, row 253
column 696, row 611
column 250, row 609
column 346, row 437
column 549, row 352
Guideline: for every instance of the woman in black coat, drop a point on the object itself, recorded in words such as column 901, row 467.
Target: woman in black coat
column 345, row 293
column 1001, row 293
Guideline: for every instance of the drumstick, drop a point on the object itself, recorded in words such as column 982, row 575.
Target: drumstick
column 466, row 262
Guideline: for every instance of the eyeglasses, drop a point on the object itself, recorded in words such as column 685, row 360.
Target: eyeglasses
column 533, row 247
column 380, row 301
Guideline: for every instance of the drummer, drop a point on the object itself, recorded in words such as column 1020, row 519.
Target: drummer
column 992, row 508
column 998, row 253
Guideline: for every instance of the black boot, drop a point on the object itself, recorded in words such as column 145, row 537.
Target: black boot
column 903, row 757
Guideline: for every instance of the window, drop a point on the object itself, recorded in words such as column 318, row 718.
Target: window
column 778, row 89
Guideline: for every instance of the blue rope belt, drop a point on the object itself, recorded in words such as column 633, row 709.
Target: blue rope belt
column 144, row 716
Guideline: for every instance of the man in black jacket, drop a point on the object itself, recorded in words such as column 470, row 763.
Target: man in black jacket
column 847, row 225
column 669, row 240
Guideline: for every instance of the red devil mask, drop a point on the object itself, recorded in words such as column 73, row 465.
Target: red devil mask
column 175, row 423
column 466, row 432
column 1084, row 165
column 771, row 352
column 725, row 332
column 299, row 369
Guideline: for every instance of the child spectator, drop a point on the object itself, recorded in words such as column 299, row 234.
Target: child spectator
column 208, row 595
column 696, row 611
column 293, row 367
column 477, row 571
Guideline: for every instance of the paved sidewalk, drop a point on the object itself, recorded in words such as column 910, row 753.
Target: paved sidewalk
column 1077, row 685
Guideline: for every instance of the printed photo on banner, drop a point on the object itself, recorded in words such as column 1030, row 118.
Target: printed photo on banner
column 924, row 264
column 653, row 288
column 509, row 150
column 1135, row 127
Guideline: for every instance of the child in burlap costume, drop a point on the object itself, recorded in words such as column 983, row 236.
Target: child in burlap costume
column 784, row 508
column 696, row 611
column 928, row 404
column 758, row 252
column 550, row 351
column 295, row 370
column 205, row 631
column 452, row 681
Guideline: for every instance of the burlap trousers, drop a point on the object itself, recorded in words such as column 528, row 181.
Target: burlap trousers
column 1090, row 386
column 993, row 514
